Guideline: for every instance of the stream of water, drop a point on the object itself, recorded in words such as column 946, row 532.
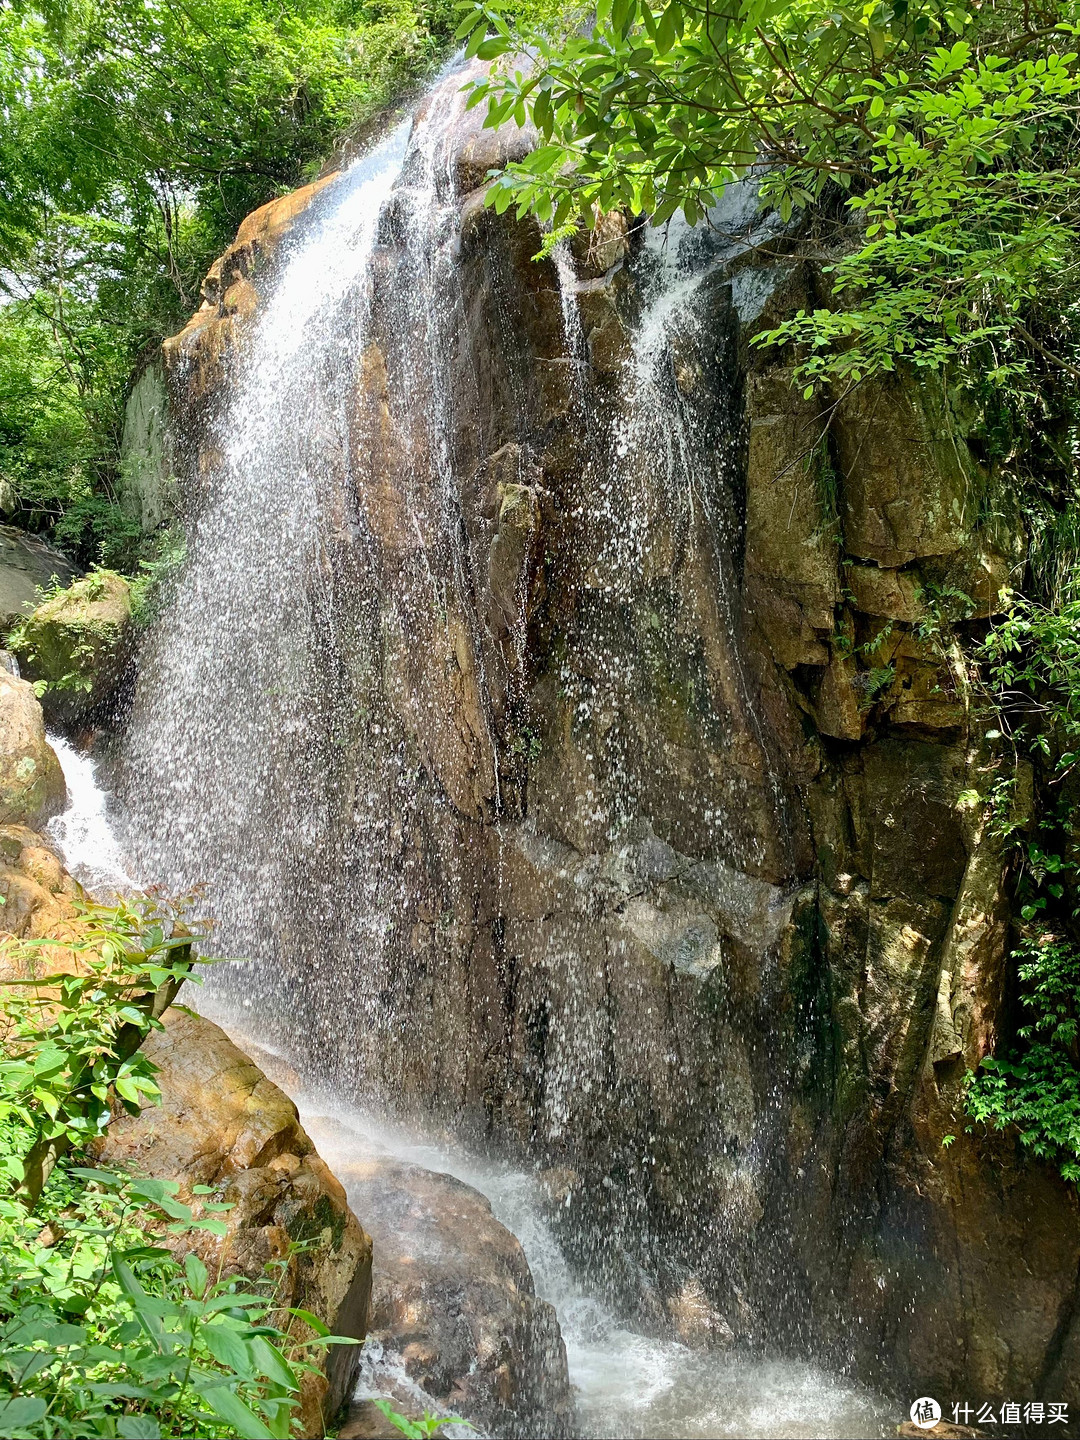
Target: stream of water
column 627, row 1385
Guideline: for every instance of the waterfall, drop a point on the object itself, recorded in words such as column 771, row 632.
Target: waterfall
column 226, row 755
column 451, row 714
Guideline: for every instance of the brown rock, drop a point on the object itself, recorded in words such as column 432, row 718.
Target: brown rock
column 791, row 574
column 837, row 705
column 605, row 330
column 697, row 1323
column 891, row 593
column 37, row 890
column 32, row 787
column 222, row 1123
column 195, row 359
column 604, row 246
column 477, row 151
column 943, row 1430
column 453, row 1297
column 905, row 476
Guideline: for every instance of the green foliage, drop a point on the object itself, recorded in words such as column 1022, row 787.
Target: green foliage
column 1037, row 1087
column 46, row 444
column 135, row 138
column 875, row 682
column 970, row 224
column 934, row 143
column 430, row 1425
column 188, row 115
column 1033, row 658
column 151, row 586
column 66, row 642
column 102, row 1331
column 72, row 1036
column 1032, row 662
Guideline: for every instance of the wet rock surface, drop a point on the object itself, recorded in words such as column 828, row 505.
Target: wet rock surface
column 656, row 769
column 959, row 1257
column 453, row 1312
column 32, row 787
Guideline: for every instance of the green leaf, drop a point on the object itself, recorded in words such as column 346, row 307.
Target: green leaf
column 235, row 1413
column 20, row 1412
column 270, row 1362
column 138, row 1427
column 401, row 1423
column 666, row 31
column 309, row 1319
column 195, row 1271
column 229, row 1349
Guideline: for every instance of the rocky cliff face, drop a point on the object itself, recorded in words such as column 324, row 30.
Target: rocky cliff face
column 874, row 542
column 648, row 737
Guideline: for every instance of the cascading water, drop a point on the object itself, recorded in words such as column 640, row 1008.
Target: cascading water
column 449, row 713
column 226, row 758
column 84, row 832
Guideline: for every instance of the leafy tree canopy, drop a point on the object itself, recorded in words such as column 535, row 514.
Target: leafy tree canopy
column 941, row 135
column 136, row 135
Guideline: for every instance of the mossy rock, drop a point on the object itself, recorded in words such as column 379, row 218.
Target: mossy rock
column 76, row 643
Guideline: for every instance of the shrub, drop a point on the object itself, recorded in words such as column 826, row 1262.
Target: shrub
column 1035, row 1086
column 103, row 1332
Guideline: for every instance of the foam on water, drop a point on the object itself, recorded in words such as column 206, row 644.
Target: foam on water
column 84, row 833
column 627, row 1384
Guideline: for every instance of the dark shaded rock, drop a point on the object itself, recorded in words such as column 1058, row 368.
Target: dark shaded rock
column 453, row 1303
column 27, row 566
column 147, row 487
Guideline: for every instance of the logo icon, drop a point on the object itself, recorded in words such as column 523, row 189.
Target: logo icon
column 925, row 1412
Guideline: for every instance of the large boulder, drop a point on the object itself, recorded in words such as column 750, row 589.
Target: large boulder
column 28, row 566
column 146, row 489
column 454, row 1316
column 36, row 891
column 77, row 643
column 31, row 781
column 222, row 1123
